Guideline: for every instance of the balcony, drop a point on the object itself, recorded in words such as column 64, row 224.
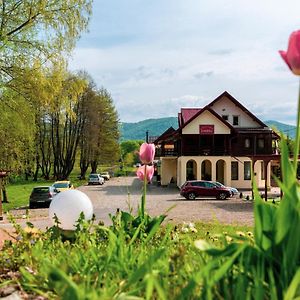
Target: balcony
column 166, row 152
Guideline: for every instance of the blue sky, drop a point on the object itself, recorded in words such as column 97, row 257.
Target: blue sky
column 155, row 57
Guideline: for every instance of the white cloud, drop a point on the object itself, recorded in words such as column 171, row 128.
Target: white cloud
column 150, row 56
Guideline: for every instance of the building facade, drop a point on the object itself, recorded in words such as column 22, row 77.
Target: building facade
column 222, row 141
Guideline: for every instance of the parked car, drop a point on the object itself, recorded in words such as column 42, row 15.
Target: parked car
column 63, row 185
column 233, row 190
column 200, row 188
column 41, row 196
column 105, row 175
column 95, row 179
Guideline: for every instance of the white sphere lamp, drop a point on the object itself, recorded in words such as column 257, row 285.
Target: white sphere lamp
column 67, row 206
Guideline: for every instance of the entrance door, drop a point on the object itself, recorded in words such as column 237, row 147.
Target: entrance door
column 206, row 170
column 191, row 170
column 220, row 171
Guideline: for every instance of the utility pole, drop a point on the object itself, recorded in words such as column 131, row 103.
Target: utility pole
column 147, row 136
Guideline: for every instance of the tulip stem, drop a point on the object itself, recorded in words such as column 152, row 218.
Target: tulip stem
column 144, row 192
column 297, row 141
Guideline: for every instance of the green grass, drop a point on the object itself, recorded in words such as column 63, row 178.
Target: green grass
column 18, row 193
column 98, row 263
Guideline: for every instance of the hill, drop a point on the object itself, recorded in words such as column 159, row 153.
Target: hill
column 155, row 127
column 288, row 130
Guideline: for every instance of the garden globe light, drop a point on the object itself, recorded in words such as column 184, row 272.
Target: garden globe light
column 67, row 206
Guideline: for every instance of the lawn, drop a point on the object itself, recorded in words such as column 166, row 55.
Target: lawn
column 18, row 193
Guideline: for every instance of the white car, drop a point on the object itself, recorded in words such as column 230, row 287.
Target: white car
column 105, row 175
column 95, row 179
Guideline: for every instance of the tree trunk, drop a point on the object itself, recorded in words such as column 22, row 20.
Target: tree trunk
column 94, row 165
column 4, row 193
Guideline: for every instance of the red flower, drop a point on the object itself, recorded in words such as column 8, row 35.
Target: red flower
column 292, row 55
column 147, row 153
column 141, row 172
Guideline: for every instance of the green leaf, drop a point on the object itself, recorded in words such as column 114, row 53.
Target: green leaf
column 293, row 291
column 145, row 267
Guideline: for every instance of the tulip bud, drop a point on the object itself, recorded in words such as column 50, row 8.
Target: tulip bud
column 292, row 55
column 147, row 153
column 141, row 173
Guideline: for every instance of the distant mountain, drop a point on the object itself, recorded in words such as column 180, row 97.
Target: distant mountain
column 288, row 130
column 155, row 127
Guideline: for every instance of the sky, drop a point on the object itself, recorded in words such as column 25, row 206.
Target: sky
column 155, row 57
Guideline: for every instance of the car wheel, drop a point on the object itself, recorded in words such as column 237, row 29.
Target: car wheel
column 191, row 196
column 222, row 196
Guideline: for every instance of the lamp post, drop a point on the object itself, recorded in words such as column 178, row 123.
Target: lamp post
column 67, row 207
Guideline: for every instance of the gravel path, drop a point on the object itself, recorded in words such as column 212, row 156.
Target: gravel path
column 125, row 192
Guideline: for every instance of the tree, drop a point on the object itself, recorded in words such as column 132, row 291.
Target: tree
column 66, row 126
column 38, row 30
column 105, row 147
column 16, row 134
column 129, row 151
column 99, row 142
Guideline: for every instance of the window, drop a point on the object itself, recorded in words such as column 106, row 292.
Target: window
column 198, row 183
column 234, row 170
column 247, row 170
column 210, row 185
column 262, row 170
column 261, row 143
column 247, row 143
column 225, row 117
column 235, row 120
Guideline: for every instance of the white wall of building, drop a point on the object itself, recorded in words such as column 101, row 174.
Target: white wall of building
column 241, row 183
column 168, row 170
column 206, row 118
column 226, row 107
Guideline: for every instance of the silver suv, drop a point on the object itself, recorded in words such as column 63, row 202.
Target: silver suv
column 95, row 179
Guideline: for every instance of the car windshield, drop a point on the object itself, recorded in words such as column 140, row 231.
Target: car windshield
column 40, row 190
column 61, row 185
column 93, row 176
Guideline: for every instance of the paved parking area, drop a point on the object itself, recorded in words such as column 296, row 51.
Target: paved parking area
column 125, row 193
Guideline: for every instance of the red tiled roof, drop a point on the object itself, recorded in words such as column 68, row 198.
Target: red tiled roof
column 188, row 113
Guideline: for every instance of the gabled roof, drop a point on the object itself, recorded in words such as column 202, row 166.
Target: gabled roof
column 206, row 108
column 164, row 136
column 187, row 113
column 238, row 104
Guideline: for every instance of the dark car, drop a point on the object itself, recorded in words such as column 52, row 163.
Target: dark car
column 201, row 188
column 42, row 196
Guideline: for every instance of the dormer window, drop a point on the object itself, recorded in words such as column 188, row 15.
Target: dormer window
column 225, row 117
column 235, row 120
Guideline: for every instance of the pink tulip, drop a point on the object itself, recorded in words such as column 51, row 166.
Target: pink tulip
column 147, row 153
column 141, row 172
column 292, row 55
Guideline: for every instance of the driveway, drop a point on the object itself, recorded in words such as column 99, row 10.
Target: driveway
column 125, row 193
